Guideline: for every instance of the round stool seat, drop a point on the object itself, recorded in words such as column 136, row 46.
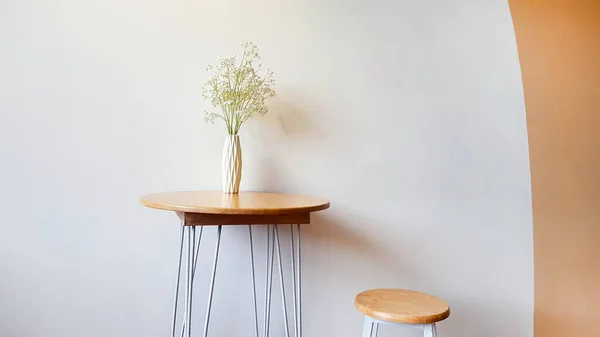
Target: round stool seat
column 402, row 306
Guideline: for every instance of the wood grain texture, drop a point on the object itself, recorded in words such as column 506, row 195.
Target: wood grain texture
column 200, row 219
column 246, row 203
column 402, row 306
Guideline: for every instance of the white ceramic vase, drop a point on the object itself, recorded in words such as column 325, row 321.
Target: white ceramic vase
column 232, row 165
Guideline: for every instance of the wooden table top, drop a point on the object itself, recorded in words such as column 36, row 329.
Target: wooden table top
column 244, row 203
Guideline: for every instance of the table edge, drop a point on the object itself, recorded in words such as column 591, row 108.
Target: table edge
column 239, row 211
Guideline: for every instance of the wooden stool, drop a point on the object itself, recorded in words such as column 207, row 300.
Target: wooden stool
column 400, row 307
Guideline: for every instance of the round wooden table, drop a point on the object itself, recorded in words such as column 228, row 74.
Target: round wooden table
column 211, row 208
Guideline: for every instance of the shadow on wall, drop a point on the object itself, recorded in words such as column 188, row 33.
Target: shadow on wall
column 346, row 250
column 338, row 235
column 286, row 118
column 337, row 253
column 333, row 239
column 295, row 123
column 284, row 138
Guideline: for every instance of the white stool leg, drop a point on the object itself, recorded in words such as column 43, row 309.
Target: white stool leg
column 429, row 330
column 368, row 327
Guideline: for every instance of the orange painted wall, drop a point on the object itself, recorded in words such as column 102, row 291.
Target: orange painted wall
column 559, row 51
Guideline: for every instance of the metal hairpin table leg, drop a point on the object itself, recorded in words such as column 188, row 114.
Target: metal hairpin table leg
column 253, row 282
column 269, row 278
column 212, row 281
column 189, row 243
column 216, row 209
column 274, row 245
column 174, row 321
column 282, row 283
column 192, row 249
column 195, row 263
column 299, row 280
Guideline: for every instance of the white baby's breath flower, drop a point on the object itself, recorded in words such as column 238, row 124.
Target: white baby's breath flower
column 237, row 89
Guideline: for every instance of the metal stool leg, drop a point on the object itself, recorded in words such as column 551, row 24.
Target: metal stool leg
column 429, row 330
column 375, row 329
column 371, row 327
column 368, row 327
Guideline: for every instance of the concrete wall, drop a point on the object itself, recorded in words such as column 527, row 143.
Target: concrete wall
column 407, row 115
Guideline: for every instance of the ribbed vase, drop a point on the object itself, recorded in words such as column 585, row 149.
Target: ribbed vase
column 232, row 164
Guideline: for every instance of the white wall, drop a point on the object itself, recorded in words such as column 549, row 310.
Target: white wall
column 408, row 115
